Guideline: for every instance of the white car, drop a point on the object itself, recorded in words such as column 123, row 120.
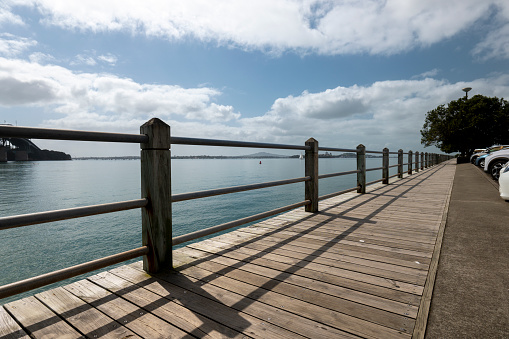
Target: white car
column 503, row 182
column 495, row 161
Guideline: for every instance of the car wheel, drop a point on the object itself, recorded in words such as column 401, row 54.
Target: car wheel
column 473, row 160
column 481, row 163
column 495, row 168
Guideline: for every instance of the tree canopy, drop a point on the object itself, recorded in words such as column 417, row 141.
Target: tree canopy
column 466, row 124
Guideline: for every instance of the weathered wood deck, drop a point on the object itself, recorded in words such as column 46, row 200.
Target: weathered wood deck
column 362, row 267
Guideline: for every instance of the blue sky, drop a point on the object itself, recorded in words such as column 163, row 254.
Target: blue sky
column 343, row 72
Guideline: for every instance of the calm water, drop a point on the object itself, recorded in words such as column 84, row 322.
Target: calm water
column 29, row 187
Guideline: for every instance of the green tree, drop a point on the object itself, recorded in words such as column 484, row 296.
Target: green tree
column 466, row 124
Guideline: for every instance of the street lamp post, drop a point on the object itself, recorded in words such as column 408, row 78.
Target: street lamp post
column 466, row 90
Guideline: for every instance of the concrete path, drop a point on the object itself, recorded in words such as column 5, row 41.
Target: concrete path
column 471, row 294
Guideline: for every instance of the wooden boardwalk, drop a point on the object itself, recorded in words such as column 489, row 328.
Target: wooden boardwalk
column 362, row 267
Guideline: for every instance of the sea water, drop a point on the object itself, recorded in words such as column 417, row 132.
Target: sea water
column 30, row 187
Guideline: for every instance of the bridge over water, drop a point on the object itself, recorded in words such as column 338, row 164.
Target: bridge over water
column 22, row 149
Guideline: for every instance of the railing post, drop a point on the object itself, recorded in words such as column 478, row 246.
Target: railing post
column 416, row 161
column 410, row 159
column 156, row 187
column 426, row 164
column 422, row 161
column 400, row 163
column 385, row 165
column 311, row 170
column 361, row 167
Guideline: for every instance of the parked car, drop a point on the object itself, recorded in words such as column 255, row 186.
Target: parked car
column 480, row 161
column 495, row 161
column 503, row 182
column 477, row 153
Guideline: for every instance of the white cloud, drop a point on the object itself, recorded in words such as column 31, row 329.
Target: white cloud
column 7, row 17
column 81, row 59
column 103, row 100
column 495, row 46
column 108, row 58
column 12, row 45
column 90, row 58
column 427, row 74
column 322, row 26
column 38, row 57
column 383, row 114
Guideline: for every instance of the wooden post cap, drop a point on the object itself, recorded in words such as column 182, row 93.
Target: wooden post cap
column 158, row 133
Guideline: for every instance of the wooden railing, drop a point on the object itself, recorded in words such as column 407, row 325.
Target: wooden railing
column 155, row 141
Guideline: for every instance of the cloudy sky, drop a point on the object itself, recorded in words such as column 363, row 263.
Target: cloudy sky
column 344, row 72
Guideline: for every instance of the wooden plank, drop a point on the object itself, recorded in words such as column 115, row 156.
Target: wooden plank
column 195, row 300
column 9, row 328
column 359, row 246
column 131, row 316
column 330, row 272
column 337, row 313
column 424, row 307
column 383, row 229
column 279, row 316
column 39, row 321
column 389, row 313
column 242, row 239
column 312, row 261
column 352, row 235
column 327, row 275
column 88, row 320
column 164, row 308
column 357, row 291
column 305, row 289
column 309, row 233
column 266, row 313
column 329, row 256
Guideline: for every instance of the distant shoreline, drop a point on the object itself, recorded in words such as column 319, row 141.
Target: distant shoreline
column 253, row 156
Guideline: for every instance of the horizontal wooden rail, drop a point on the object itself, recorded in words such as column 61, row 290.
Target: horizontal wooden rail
column 323, row 176
column 393, row 176
column 230, row 143
column 334, row 149
column 375, row 152
column 331, row 195
column 66, row 273
column 374, row 181
column 214, row 229
column 373, row 169
column 69, row 213
column 393, row 166
column 234, row 189
column 63, row 134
